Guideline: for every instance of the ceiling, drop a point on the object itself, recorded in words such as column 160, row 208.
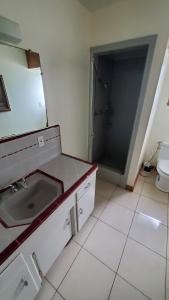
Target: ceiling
column 93, row 5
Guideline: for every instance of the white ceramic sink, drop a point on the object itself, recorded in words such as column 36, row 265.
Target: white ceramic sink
column 23, row 206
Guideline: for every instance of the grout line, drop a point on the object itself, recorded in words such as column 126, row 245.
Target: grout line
column 155, row 252
column 59, row 295
column 113, row 271
column 127, row 237
column 98, row 218
column 133, row 210
column 122, row 205
column 125, row 234
column 124, row 248
column 77, row 243
column 134, row 287
column 50, row 283
column 88, row 233
column 131, row 238
column 158, row 201
column 69, row 267
column 26, row 148
column 81, row 247
column 153, row 184
column 56, row 289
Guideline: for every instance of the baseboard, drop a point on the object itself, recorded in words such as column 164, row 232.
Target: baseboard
column 129, row 188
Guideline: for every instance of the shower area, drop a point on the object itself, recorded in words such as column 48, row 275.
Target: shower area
column 117, row 78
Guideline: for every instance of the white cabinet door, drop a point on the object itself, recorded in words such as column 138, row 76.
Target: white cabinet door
column 16, row 281
column 85, row 200
column 47, row 242
column 52, row 240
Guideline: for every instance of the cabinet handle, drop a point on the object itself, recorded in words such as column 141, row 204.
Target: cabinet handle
column 37, row 264
column 23, row 283
column 67, row 222
column 80, row 211
column 88, row 185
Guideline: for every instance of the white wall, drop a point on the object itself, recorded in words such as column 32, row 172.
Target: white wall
column 158, row 129
column 59, row 30
column 132, row 19
column 24, row 89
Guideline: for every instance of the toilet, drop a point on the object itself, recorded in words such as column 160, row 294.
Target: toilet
column 162, row 179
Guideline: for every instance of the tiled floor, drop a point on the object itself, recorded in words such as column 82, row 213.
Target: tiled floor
column 121, row 252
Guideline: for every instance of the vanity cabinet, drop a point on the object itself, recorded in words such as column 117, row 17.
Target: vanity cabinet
column 47, row 242
column 17, row 282
column 85, row 200
column 38, row 252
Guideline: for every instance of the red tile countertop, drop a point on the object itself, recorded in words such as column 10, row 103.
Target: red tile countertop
column 68, row 169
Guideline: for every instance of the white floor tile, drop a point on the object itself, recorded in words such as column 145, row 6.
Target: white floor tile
column 46, row 292
column 106, row 244
column 153, row 208
column 57, row 297
column 104, row 188
column 138, row 186
column 81, row 236
column 150, row 191
column 149, row 232
column 144, row 269
column 100, row 204
column 88, row 279
column 117, row 216
column 125, row 198
column 124, row 291
column 62, row 264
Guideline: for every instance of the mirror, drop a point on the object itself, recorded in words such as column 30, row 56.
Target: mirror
column 22, row 101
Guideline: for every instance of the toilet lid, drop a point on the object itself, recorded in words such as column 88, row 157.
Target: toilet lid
column 164, row 166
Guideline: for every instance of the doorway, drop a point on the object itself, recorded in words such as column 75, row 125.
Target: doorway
column 119, row 74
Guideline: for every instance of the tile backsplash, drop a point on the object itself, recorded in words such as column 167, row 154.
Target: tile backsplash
column 22, row 155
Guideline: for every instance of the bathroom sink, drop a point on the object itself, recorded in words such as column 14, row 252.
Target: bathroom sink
column 24, row 205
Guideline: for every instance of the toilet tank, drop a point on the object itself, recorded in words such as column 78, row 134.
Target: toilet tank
column 164, row 151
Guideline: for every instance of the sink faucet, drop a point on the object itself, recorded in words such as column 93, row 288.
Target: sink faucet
column 18, row 185
column 22, row 183
column 13, row 188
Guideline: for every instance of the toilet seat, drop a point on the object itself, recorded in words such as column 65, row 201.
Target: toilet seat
column 163, row 166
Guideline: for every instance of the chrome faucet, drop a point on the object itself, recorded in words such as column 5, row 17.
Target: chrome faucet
column 13, row 188
column 22, row 183
column 18, row 185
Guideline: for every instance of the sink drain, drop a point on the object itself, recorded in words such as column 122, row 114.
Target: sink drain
column 31, row 205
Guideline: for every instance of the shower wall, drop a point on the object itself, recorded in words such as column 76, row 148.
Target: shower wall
column 126, row 81
column 117, row 83
column 102, row 91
